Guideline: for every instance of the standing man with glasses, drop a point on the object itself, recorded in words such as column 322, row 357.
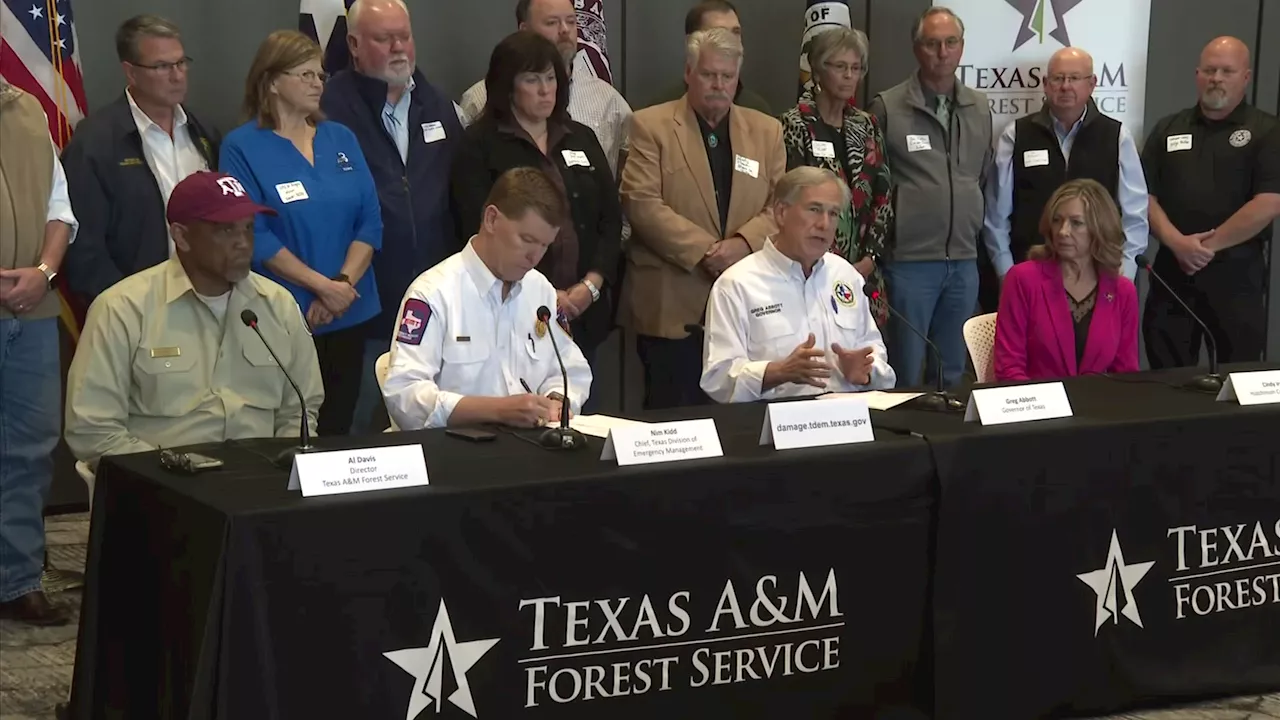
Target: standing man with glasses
column 1214, row 176
column 125, row 159
column 1068, row 139
column 938, row 140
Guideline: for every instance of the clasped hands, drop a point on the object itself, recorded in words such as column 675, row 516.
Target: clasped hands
column 723, row 254
column 22, row 289
column 1193, row 256
column 333, row 299
column 806, row 366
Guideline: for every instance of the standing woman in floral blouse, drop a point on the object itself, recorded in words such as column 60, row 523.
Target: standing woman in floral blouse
column 826, row 130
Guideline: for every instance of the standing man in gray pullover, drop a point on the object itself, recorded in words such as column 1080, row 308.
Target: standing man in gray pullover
column 938, row 138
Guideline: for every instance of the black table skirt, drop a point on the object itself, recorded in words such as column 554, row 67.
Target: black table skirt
column 226, row 596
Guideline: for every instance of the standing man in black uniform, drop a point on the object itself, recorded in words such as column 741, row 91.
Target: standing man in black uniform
column 1213, row 172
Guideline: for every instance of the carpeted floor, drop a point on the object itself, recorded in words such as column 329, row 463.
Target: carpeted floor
column 35, row 663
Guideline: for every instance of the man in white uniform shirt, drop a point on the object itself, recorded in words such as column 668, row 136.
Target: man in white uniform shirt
column 473, row 344
column 791, row 320
column 592, row 101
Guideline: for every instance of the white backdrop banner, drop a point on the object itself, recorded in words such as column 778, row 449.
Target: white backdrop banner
column 1008, row 44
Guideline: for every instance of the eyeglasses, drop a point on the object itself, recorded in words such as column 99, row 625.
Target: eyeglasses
column 308, row 76
column 1064, row 79
column 844, row 68
column 934, row 44
column 166, row 67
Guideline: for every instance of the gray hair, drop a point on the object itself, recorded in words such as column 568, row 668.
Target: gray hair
column 717, row 40
column 935, row 10
column 138, row 26
column 357, row 9
column 826, row 45
column 794, row 183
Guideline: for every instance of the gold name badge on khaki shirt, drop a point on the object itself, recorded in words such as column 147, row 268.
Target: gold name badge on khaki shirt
column 166, row 352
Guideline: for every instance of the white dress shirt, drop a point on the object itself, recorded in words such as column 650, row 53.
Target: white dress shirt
column 592, row 102
column 171, row 158
column 59, row 200
column 1131, row 190
column 762, row 307
column 457, row 336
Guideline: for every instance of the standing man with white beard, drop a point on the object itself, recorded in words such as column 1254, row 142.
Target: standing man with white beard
column 409, row 132
column 1214, row 176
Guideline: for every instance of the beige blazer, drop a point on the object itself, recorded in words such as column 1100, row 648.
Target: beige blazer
column 670, row 199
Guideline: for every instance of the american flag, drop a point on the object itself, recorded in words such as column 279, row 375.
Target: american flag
column 39, row 53
column 325, row 21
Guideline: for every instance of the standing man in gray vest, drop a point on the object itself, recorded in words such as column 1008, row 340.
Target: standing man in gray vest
column 938, row 138
column 36, row 225
column 1068, row 139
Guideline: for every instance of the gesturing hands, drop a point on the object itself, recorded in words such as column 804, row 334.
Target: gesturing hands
column 855, row 365
column 804, row 366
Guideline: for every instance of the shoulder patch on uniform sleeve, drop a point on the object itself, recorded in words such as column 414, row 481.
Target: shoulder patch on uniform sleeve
column 413, row 321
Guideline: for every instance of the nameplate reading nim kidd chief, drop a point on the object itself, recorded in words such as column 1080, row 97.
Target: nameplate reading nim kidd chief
column 349, row 471
column 807, row 423
column 1252, row 388
column 663, row 442
column 1018, row 403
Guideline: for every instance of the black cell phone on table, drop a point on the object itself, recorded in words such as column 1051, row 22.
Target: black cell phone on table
column 470, row 434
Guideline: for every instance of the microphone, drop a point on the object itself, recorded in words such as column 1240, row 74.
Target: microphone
column 285, row 458
column 1212, row 382
column 938, row 400
column 563, row 437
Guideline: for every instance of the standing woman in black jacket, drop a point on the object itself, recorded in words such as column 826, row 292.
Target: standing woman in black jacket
column 526, row 124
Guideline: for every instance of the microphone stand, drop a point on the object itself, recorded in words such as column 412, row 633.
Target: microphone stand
column 563, row 437
column 1210, row 382
column 939, row 400
column 285, row 459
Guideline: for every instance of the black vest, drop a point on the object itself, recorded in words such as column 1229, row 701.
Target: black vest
column 1094, row 155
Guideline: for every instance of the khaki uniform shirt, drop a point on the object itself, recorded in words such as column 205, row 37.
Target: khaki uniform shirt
column 156, row 369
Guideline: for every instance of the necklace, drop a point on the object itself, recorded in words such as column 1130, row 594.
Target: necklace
column 712, row 140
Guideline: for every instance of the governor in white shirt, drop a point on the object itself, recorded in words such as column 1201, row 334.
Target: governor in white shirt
column 791, row 320
column 474, row 343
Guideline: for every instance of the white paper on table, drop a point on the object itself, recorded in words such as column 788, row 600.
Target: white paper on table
column 600, row 425
column 876, row 399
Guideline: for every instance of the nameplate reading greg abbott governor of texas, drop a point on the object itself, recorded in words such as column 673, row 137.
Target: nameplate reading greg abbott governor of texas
column 663, row 442
column 1018, row 403
column 348, row 471
column 1252, row 388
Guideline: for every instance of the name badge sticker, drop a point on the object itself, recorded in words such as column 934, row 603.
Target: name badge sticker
column 349, row 471
column 292, row 192
column 1018, row 403
column 662, row 442
column 746, row 165
column 824, row 149
column 432, row 132
column 917, row 143
column 1252, row 388
column 1177, row 143
column 1035, row 158
column 575, row 157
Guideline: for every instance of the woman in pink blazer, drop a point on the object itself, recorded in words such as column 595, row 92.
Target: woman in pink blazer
column 1067, row 311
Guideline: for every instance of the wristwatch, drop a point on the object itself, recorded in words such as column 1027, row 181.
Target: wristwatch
column 342, row 277
column 591, row 288
column 556, row 396
column 49, row 273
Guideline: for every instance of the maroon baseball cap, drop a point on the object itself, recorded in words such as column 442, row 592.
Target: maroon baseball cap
column 212, row 197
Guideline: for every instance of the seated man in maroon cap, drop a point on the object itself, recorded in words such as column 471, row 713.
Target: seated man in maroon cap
column 164, row 359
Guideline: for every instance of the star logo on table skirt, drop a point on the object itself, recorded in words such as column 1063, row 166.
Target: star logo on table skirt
column 441, row 665
column 1034, row 14
column 1114, row 585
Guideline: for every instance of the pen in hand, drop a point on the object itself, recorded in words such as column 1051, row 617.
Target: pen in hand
column 526, row 387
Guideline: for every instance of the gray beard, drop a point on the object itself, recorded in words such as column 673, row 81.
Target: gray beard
column 1214, row 100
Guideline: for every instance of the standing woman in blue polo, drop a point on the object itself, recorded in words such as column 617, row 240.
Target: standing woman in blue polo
column 321, row 243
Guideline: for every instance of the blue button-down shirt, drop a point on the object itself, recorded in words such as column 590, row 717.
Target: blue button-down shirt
column 395, row 118
column 1132, row 194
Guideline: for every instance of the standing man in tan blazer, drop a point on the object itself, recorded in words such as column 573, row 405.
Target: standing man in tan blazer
column 696, row 187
